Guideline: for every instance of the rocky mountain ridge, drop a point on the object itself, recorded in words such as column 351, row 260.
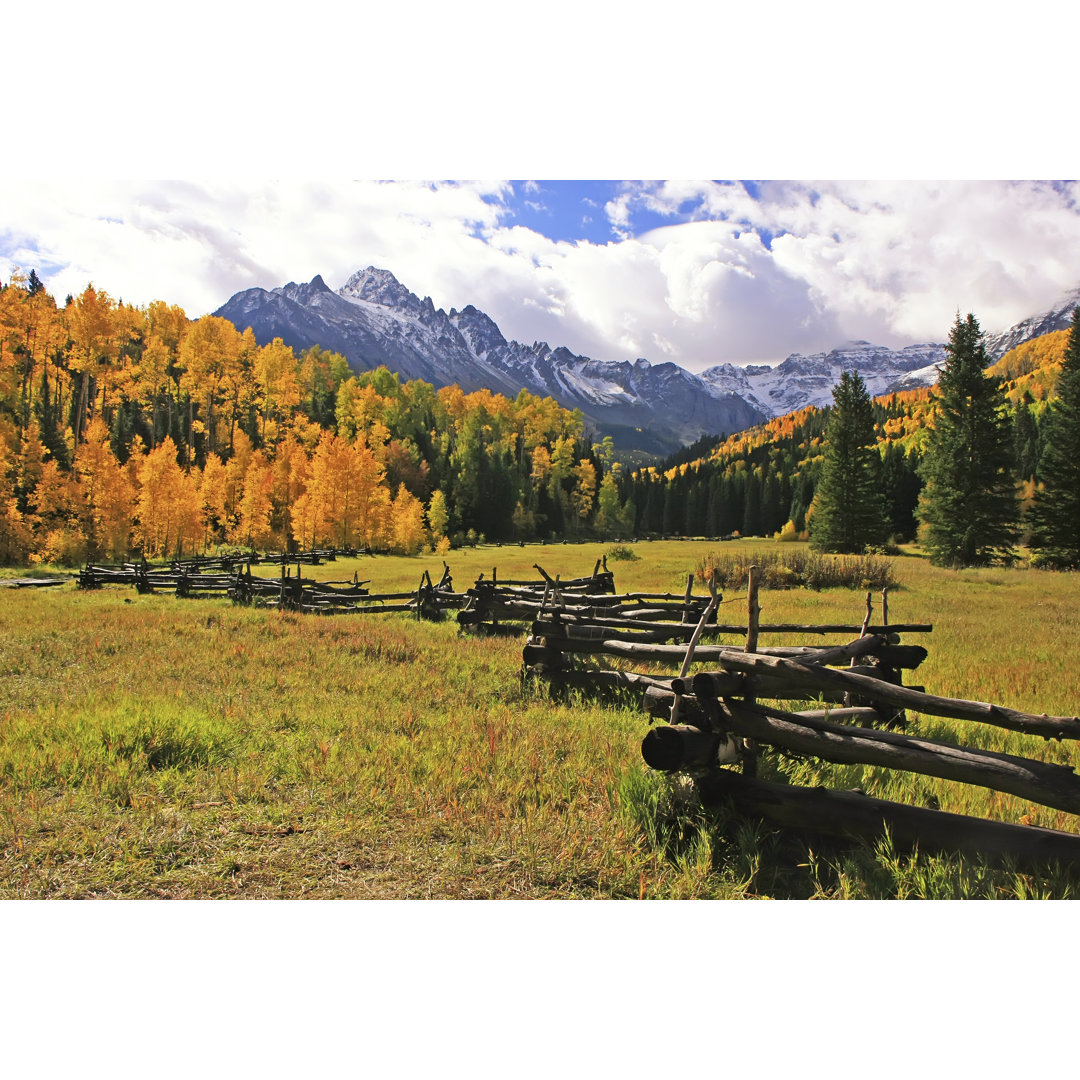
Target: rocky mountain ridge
column 373, row 319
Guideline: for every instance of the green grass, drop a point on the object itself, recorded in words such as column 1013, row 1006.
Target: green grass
column 151, row 746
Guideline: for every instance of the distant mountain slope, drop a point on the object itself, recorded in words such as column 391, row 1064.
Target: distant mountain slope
column 374, row 319
column 809, row 380
column 1057, row 318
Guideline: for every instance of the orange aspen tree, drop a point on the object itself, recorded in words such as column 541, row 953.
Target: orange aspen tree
column 210, row 354
column 54, row 510
column 15, row 538
column 92, row 328
column 276, row 374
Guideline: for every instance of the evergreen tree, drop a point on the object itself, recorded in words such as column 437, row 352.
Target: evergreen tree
column 1025, row 438
column 849, row 510
column 969, row 504
column 1055, row 515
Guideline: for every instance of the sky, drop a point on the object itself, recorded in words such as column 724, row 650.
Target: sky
column 698, row 272
column 195, row 158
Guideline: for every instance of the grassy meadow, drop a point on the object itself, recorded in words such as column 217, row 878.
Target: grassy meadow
column 157, row 747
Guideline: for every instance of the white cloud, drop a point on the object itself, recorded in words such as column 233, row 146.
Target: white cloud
column 800, row 268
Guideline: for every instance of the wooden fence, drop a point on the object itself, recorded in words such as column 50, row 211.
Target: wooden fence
column 848, row 706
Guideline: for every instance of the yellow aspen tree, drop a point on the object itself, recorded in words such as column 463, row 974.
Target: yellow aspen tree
column 437, row 515
column 256, row 505
column 209, row 354
column 277, row 376
column 15, row 536
column 407, row 518
column 92, row 329
column 31, row 458
column 584, row 493
column 235, row 468
column 290, row 468
column 187, row 514
column 373, row 499
column 348, row 481
column 159, row 529
column 213, row 495
column 107, row 501
column 53, row 517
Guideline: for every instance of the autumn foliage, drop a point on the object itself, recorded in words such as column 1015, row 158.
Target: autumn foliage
column 128, row 430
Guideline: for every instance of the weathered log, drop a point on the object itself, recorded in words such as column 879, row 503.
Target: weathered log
column 815, row 677
column 657, row 703
column 854, row 816
column 684, row 748
column 712, row 684
column 572, row 617
column 577, row 634
column 1050, row 785
column 635, row 649
column 607, row 680
column 659, row 700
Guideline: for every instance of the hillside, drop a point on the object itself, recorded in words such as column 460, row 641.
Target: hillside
column 761, row 481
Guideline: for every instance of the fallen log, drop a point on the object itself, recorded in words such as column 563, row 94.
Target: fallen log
column 658, row 699
column 571, row 616
column 607, row 680
column 815, row 677
column 854, row 816
column 635, row 649
column 1050, row 785
column 685, row 748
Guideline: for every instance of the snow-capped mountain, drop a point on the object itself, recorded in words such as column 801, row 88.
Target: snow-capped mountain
column 374, row 319
column 809, row 380
column 1057, row 318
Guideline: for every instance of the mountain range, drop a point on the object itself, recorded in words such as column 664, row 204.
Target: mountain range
column 373, row 319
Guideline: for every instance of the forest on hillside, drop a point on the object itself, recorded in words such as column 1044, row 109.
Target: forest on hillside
column 128, row 430
column 138, row 431
column 762, row 482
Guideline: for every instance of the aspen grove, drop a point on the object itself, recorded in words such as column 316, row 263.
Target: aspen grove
column 135, row 430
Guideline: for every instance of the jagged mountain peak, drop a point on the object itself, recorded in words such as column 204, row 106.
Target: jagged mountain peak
column 373, row 319
column 376, row 286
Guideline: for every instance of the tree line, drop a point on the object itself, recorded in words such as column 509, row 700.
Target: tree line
column 988, row 459
column 135, row 430
column 128, row 430
column 991, row 475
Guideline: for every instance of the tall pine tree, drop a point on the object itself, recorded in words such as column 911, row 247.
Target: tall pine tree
column 1055, row 515
column 849, row 510
column 969, row 506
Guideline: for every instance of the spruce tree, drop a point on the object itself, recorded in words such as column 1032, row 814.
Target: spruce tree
column 849, row 511
column 1055, row 515
column 969, row 506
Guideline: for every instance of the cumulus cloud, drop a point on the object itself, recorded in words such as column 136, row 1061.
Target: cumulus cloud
column 698, row 272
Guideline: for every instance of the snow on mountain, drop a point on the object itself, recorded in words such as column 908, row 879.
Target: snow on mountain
column 1059, row 317
column 373, row 319
column 809, row 380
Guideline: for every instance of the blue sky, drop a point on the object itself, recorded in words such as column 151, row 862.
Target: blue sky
column 575, row 210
